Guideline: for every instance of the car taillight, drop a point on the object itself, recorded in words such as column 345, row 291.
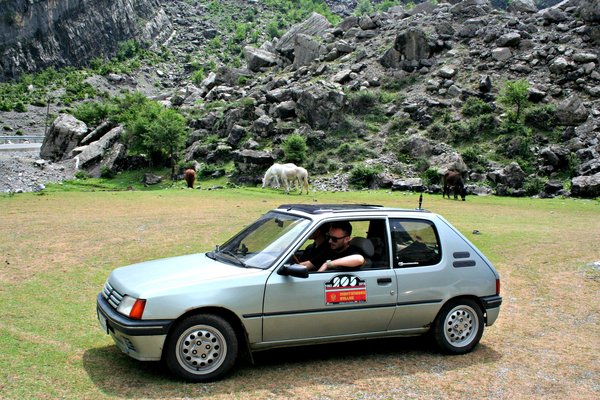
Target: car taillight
column 498, row 286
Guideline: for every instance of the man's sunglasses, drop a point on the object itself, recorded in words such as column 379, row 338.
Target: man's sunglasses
column 335, row 239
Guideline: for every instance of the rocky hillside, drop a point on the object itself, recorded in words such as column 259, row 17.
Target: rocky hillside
column 407, row 93
column 38, row 34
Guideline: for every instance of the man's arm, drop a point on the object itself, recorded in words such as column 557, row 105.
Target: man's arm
column 351, row 261
column 308, row 265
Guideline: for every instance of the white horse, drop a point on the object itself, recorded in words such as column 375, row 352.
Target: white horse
column 296, row 175
column 272, row 174
column 286, row 173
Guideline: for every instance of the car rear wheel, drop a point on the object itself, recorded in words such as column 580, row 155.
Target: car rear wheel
column 201, row 348
column 459, row 326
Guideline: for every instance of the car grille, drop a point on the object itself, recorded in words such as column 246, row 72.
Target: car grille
column 111, row 295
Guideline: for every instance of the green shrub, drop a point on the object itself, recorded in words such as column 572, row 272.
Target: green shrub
column 533, row 185
column 273, row 30
column 472, row 157
column 6, row 105
column 474, row 106
column 81, row 174
column 421, row 165
column 364, row 7
column 431, row 176
column 362, row 176
column 362, row 102
column 573, row 165
column 438, row 131
column 294, row 148
column 93, row 113
column 20, row 107
column 106, row 172
column 541, row 117
column 128, row 50
column 483, row 125
column 353, row 152
column 198, row 76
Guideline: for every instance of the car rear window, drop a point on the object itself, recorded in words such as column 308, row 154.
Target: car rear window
column 414, row 243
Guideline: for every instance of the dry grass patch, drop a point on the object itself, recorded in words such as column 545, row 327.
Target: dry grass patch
column 56, row 251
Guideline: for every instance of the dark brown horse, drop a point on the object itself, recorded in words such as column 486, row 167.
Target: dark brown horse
column 190, row 176
column 453, row 180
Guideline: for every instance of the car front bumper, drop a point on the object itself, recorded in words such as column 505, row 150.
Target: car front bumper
column 140, row 339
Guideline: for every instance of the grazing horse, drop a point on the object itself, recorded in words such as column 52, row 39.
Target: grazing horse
column 190, row 176
column 284, row 174
column 453, row 180
column 272, row 174
column 297, row 175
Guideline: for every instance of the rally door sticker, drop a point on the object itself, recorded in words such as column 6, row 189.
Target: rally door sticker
column 344, row 289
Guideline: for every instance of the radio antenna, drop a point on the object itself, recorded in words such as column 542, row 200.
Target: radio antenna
column 420, row 201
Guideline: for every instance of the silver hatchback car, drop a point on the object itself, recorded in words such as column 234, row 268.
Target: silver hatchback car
column 198, row 312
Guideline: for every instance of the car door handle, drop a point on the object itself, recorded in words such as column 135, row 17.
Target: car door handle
column 383, row 281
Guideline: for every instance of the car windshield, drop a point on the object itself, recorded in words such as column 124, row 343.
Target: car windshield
column 263, row 242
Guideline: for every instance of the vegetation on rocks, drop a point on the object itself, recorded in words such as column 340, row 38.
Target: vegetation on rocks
column 265, row 76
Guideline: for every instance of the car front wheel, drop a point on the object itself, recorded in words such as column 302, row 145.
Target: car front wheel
column 459, row 326
column 201, row 348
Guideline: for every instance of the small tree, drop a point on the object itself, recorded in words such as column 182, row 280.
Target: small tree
column 156, row 131
column 515, row 94
column 295, row 149
column 167, row 134
column 363, row 176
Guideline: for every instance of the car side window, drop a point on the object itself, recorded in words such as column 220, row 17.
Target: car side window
column 414, row 243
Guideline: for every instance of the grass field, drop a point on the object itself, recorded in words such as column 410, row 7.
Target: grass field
column 58, row 248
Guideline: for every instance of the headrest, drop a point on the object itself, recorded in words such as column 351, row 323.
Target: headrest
column 364, row 244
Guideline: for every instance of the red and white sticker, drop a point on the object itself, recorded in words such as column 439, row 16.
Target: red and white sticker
column 344, row 289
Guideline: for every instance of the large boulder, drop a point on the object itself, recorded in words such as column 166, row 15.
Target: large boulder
column 416, row 146
column 511, row 176
column 257, row 59
column 65, row 133
column 408, row 184
column 263, row 125
column 94, row 152
column 586, row 186
column 449, row 160
column 319, row 104
column 111, row 163
column 315, row 25
column 412, row 44
column 471, row 8
column 522, row 6
column 251, row 165
column 306, row 50
column 589, row 10
column 571, row 111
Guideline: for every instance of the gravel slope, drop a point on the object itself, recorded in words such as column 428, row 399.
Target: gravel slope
column 24, row 171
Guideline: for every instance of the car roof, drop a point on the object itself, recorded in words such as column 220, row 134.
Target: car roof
column 314, row 209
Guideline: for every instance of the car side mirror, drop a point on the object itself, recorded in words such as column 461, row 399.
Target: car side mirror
column 295, row 270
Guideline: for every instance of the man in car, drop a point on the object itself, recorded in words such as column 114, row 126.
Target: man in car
column 340, row 254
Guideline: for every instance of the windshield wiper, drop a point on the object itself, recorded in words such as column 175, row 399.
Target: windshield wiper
column 235, row 257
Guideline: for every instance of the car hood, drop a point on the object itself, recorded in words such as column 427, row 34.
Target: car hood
column 152, row 277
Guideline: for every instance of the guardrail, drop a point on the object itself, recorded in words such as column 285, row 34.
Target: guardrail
column 22, row 139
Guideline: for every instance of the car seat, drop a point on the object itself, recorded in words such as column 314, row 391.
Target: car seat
column 366, row 248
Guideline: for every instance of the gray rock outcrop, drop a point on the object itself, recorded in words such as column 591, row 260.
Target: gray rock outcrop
column 586, row 186
column 96, row 27
column 65, row 133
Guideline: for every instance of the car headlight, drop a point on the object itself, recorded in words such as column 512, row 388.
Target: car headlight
column 132, row 307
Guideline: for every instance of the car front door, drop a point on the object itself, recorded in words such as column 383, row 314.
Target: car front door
column 331, row 303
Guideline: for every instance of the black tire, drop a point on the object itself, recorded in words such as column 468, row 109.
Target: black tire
column 201, row 348
column 459, row 326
